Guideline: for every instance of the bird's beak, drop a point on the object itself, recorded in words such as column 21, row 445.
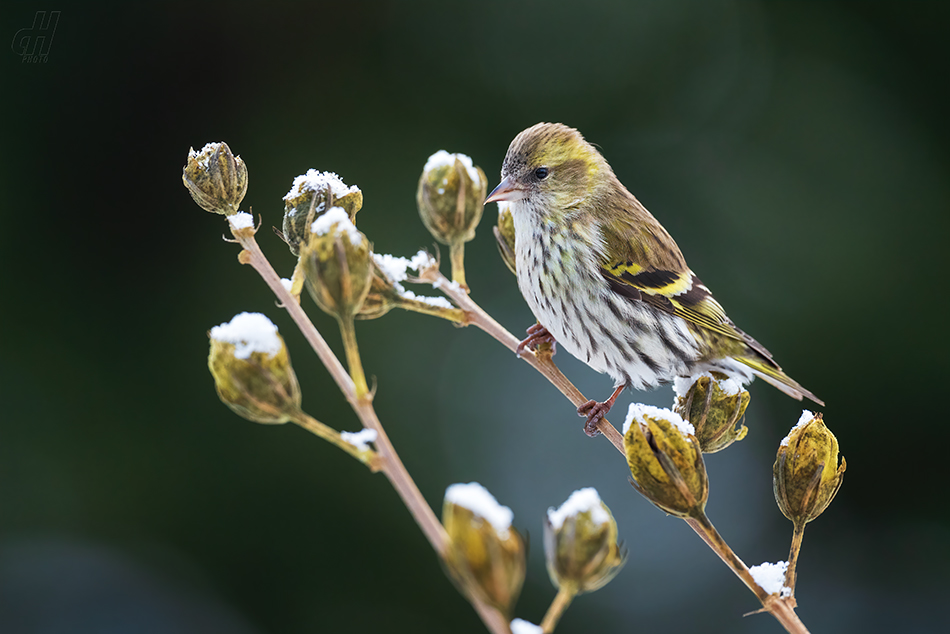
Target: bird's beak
column 505, row 192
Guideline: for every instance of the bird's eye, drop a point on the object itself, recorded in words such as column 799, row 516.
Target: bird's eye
column 541, row 173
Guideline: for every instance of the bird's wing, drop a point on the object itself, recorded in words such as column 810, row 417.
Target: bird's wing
column 643, row 266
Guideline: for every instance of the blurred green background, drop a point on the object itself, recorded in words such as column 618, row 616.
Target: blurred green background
column 796, row 151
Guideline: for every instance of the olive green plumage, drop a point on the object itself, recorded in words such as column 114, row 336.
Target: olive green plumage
column 606, row 279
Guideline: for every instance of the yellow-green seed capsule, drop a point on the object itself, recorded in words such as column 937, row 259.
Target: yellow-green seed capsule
column 312, row 195
column 451, row 196
column 252, row 371
column 486, row 556
column 665, row 460
column 337, row 265
column 381, row 298
column 505, row 235
column 215, row 178
column 580, row 543
column 806, row 475
column 713, row 404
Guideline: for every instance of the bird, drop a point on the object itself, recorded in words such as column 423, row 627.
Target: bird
column 607, row 282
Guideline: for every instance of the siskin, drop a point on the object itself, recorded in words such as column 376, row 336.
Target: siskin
column 606, row 280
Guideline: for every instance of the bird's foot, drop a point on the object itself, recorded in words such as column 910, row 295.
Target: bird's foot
column 538, row 336
column 595, row 412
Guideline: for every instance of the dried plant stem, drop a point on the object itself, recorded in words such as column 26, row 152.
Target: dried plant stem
column 457, row 256
column 332, row 436
column 772, row 603
column 561, row 601
column 543, row 363
column 456, row 315
column 791, row 574
column 389, row 462
column 353, row 361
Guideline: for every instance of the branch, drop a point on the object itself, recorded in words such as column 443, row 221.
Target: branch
column 389, row 462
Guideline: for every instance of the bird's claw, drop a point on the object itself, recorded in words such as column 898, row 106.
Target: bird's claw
column 595, row 412
column 537, row 335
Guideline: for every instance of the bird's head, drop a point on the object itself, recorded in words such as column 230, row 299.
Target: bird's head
column 550, row 166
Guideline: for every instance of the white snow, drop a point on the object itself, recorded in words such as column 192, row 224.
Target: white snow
column 447, row 284
column 287, row 284
column 395, row 268
column 421, row 260
column 438, row 302
column 337, row 216
column 317, row 181
column 479, row 501
column 729, row 386
column 520, row 626
column 803, row 420
column 771, row 577
column 249, row 332
column 443, row 158
column 639, row 410
column 241, row 220
column 359, row 439
column 580, row 501
column 204, row 155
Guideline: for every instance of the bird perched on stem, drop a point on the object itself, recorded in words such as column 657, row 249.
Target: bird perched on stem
column 605, row 279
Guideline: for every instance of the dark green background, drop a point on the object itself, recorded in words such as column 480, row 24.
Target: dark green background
column 797, row 152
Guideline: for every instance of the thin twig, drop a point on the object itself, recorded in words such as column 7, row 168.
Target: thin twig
column 561, row 601
column 791, row 574
column 389, row 462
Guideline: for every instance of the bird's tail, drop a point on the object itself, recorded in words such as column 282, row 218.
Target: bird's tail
column 768, row 371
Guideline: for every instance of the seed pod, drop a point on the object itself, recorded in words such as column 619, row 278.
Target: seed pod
column 806, row 475
column 215, row 178
column 505, row 235
column 486, row 556
column 580, row 543
column 252, row 371
column 311, row 196
column 451, row 196
column 714, row 405
column 665, row 460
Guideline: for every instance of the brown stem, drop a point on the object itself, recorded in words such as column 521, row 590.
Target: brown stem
column 791, row 574
column 389, row 462
column 558, row 606
column 542, row 363
column 332, row 436
column 772, row 603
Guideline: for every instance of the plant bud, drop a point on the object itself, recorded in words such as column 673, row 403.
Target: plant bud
column 252, row 371
column 665, row 460
column 806, row 475
column 312, row 195
column 486, row 556
column 337, row 265
column 580, row 543
column 505, row 235
column 215, row 178
column 450, row 197
column 713, row 404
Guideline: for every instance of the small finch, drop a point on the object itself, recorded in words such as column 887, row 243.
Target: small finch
column 605, row 279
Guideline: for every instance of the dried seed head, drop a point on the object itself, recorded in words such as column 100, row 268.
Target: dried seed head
column 215, row 178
